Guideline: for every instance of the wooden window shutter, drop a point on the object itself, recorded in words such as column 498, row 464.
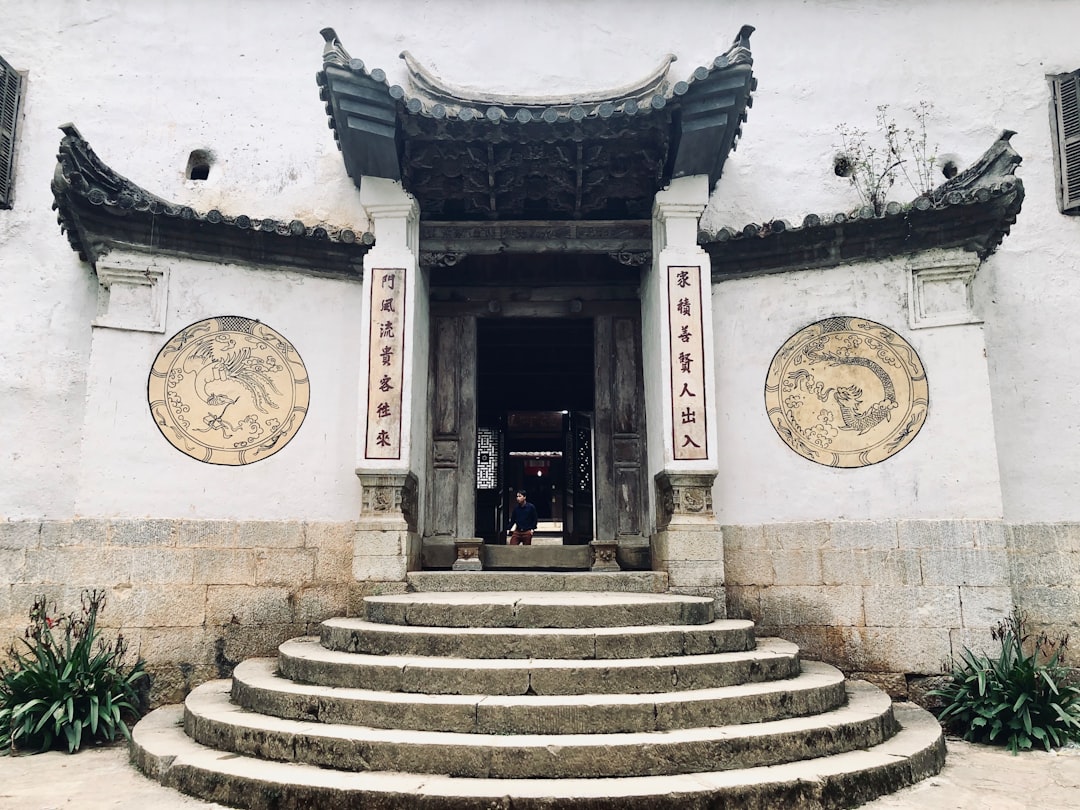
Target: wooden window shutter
column 11, row 87
column 1066, row 91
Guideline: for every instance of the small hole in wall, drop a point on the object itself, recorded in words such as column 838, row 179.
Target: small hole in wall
column 198, row 165
column 949, row 164
column 843, row 165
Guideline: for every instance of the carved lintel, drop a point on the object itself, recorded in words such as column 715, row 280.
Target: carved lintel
column 440, row 258
column 604, row 555
column 389, row 496
column 683, row 496
column 467, row 551
column 632, row 258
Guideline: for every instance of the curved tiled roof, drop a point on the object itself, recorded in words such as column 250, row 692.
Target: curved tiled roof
column 595, row 155
column 99, row 209
column 973, row 211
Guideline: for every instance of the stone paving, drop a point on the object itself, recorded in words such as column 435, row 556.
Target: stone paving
column 974, row 778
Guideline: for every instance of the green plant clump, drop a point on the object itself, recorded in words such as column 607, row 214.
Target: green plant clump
column 68, row 685
column 873, row 168
column 1020, row 698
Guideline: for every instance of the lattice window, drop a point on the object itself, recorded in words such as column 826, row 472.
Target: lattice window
column 11, row 89
column 583, row 462
column 1065, row 123
column 487, row 458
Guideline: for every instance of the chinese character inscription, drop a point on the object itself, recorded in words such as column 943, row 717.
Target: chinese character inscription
column 386, row 349
column 687, row 364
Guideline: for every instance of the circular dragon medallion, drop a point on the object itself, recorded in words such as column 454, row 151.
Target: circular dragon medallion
column 228, row 390
column 846, row 392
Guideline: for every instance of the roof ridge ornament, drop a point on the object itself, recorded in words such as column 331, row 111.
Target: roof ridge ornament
column 426, row 82
column 334, row 52
column 996, row 165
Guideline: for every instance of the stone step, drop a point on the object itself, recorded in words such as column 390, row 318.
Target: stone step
column 258, row 687
column 307, row 661
column 538, row 555
column 161, row 750
column 360, row 636
column 213, row 720
column 538, row 609
column 613, row 582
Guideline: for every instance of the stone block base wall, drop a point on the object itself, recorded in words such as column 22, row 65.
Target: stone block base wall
column 889, row 601
column 892, row 601
column 194, row 598
column 1044, row 566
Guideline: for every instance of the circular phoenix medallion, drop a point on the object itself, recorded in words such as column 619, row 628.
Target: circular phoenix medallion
column 228, row 390
column 846, row 392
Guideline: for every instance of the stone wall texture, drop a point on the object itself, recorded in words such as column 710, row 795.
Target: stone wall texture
column 899, row 598
column 888, row 600
column 193, row 597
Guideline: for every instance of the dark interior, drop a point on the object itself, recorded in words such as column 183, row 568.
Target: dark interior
column 533, row 364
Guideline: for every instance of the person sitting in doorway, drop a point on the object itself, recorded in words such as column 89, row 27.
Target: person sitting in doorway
column 523, row 520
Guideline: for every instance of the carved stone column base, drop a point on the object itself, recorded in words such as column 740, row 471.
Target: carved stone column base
column 604, row 555
column 683, row 498
column 468, row 554
column 386, row 544
column 388, row 498
column 689, row 544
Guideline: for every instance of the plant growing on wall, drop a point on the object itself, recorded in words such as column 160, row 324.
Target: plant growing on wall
column 1020, row 698
column 873, row 162
column 66, row 684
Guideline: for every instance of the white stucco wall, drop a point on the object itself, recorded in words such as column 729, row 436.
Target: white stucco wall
column 950, row 469
column 127, row 468
column 147, row 83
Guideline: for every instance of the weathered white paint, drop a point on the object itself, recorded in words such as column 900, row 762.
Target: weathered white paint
column 949, row 470
column 148, row 83
column 127, row 469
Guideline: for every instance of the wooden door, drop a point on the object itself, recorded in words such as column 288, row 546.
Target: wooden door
column 452, row 498
column 619, row 431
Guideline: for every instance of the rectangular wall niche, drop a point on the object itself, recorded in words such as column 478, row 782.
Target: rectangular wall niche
column 939, row 292
column 386, row 363
column 687, row 364
column 135, row 294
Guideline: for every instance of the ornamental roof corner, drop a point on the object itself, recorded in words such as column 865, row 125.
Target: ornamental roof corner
column 974, row 211
column 100, row 209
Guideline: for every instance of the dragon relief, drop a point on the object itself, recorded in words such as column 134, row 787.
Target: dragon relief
column 846, row 392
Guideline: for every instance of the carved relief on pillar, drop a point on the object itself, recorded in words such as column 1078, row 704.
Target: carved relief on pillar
column 683, row 496
column 389, row 496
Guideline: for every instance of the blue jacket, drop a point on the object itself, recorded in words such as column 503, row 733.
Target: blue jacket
column 524, row 517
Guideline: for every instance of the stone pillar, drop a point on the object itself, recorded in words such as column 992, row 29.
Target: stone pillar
column 392, row 416
column 680, row 391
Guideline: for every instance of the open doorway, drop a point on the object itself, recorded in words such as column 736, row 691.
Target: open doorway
column 535, row 396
